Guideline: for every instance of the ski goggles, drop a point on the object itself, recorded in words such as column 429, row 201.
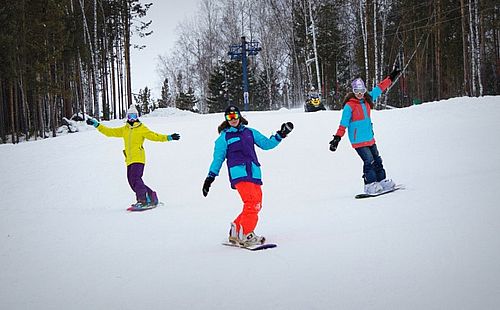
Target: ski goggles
column 359, row 91
column 232, row 116
column 132, row 116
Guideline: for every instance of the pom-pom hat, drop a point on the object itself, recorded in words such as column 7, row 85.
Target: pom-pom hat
column 132, row 113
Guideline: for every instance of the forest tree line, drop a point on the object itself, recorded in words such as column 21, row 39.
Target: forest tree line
column 67, row 58
column 61, row 59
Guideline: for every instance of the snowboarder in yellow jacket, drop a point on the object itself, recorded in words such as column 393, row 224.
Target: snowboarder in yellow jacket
column 134, row 132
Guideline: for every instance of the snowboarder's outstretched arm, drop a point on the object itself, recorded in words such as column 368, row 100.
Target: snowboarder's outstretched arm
column 153, row 136
column 382, row 86
column 107, row 131
column 269, row 143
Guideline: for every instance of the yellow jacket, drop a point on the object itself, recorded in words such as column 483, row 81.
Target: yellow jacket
column 133, row 138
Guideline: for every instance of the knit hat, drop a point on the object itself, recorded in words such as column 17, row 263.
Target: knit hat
column 358, row 85
column 232, row 109
column 132, row 113
column 132, row 109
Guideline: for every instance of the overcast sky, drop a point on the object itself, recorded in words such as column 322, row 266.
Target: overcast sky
column 166, row 15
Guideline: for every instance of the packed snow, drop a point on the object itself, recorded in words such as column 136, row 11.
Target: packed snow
column 67, row 242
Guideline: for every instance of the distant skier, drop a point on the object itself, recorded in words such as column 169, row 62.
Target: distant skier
column 356, row 118
column 236, row 144
column 313, row 101
column 133, row 133
column 313, row 94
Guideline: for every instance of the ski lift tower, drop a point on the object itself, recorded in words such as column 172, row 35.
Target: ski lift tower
column 242, row 51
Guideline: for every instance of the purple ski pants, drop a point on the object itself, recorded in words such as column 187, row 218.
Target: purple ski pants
column 134, row 176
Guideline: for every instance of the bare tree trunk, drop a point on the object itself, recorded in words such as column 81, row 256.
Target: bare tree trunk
column 36, row 114
column 78, row 85
column 17, row 113
column 364, row 33
column 375, row 42
column 121, row 83
column 478, row 48
column 25, row 108
column 95, row 60
column 438, row 49
column 11, row 109
column 53, row 103
column 41, row 119
column 464, row 50
column 2, row 119
column 496, row 43
column 113, row 83
column 93, row 52
column 315, row 49
column 127, row 54
column 12, row 118
column 472, row 50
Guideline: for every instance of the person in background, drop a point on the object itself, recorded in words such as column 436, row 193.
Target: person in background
column 236, row 144
column 134, row 132
column 313, row 94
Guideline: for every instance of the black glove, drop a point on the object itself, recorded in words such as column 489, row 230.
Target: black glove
column 174, row 136
column 334, row 143
column 285, row 129
column 394, row 73
column 206, row 184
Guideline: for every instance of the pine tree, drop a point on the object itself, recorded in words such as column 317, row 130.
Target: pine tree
column 225, row 86
column 144, row 101
column 186, row 101
column 218, row 97
column 164, row 101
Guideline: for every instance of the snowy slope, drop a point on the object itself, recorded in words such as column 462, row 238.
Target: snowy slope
column 66, row 241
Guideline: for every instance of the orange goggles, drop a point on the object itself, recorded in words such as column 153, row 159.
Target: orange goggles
column 232, row 116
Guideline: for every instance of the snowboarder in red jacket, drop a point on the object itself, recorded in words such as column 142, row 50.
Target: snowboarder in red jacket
column 356, row 119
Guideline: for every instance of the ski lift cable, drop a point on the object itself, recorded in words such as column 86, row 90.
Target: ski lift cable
column 411, row 57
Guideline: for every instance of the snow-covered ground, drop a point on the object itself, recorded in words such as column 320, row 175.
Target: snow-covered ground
column 66, row 241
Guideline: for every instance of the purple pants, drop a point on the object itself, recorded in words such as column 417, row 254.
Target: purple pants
column 134, row 176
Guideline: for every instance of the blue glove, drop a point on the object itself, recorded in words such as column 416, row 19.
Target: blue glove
column 174, row 136
column 93, row 122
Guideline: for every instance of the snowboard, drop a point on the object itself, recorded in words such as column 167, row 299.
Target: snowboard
column 257, row 247
column 365, row 195
column 132, row 209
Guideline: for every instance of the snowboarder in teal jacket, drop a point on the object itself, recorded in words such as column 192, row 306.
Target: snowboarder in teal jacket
column 236, row 146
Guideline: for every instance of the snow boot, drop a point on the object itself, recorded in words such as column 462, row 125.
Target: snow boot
column 152, row 199
column 234, row 236
column 140, row 204
column 252, row 239
column 373, row 188
column 387, row 184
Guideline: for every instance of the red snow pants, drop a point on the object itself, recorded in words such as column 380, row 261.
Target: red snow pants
column 251, row 194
